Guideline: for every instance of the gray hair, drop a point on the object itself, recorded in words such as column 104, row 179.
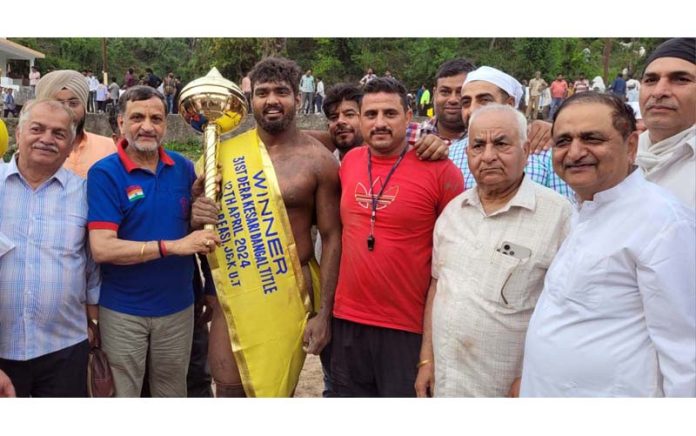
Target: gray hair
column 497, row 107
column 25, row 115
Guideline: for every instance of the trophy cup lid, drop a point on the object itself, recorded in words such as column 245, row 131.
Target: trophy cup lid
column 212, row 98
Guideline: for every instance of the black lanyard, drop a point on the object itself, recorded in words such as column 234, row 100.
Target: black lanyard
column 375, row 200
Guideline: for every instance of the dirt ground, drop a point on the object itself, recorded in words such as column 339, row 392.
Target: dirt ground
column 311, row 382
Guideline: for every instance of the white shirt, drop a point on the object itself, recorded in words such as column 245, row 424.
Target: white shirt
column 367, row 77
column 484, row 298
column 632, row 90
column 617, row 316
column 93, row 83
column 320, row 88
column 671, row 163
column 102, row 92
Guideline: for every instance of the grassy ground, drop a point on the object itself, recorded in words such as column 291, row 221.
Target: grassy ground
column 192, row 150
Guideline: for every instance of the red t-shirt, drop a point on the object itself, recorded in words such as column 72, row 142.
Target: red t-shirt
column 387, row 287
column 559, row 88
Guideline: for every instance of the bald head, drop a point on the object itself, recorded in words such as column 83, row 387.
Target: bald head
column 496, row 151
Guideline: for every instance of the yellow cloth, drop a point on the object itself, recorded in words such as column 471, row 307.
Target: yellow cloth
column 261, row 289
column 4, row 138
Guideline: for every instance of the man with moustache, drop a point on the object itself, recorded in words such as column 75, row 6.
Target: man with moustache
column 342, row 110
column 447, row 122
column 308, row 178
column 492, row 247
column 536, row 87
column 389, row 203
column 139, row 209
column 667, row 150
column 617, row 316
column 48, row 279
column 488, row 85
column 70, row 88
column 432, row 137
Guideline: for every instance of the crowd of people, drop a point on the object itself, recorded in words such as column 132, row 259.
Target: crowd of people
column 103, row 95
column 479, row 253
column 543, row 100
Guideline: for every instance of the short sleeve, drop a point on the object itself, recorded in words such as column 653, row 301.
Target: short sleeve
column 451, row 185
column 103, row 200
column 190, row 171
column 435, row 264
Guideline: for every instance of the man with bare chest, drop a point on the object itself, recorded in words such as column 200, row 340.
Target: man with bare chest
column 307, row 174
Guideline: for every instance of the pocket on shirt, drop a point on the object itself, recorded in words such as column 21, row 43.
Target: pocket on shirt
column 67, row 238
column 497, row 274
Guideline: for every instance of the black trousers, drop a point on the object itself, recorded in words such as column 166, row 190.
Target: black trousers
column 198, row 378
column 369, row 361
column 325, row 358
column 62, row 373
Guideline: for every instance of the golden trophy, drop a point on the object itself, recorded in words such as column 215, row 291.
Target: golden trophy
column 215, row 106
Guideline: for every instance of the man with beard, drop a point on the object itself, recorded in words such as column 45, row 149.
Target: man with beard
column 342, row 109
column 70, row 88
column 139, row 206
column 308, row 178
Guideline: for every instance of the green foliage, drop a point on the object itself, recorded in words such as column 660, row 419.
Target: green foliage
column 191, row 149
column 412, row 60
column 233, row 57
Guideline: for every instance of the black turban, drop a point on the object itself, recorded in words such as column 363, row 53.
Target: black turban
column 682, row 48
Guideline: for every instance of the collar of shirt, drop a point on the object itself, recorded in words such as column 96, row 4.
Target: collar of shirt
column 128, row 162
column 415, row 131
column 624, row 188
column 12, row 168
column 524, row 197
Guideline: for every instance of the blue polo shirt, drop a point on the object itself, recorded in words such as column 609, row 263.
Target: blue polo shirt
column 143, row 206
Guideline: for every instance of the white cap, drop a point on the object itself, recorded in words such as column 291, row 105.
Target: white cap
column 502, row 80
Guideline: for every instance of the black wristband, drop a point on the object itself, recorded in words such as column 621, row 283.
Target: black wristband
column 159, row 247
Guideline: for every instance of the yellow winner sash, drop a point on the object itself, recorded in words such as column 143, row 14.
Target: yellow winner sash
column 261, row 288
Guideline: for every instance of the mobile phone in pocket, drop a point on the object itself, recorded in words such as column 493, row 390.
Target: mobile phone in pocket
column 517, row 251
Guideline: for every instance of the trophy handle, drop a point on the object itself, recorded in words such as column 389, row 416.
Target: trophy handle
column 211, row 138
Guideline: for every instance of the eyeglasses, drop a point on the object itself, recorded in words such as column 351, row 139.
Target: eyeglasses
column 72, row 103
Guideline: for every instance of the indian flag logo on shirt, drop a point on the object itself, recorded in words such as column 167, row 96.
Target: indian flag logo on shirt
column 135, row 192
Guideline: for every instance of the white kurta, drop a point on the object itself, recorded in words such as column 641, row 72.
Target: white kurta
column 484, row 298
column 671, row 163
column 617, row 316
